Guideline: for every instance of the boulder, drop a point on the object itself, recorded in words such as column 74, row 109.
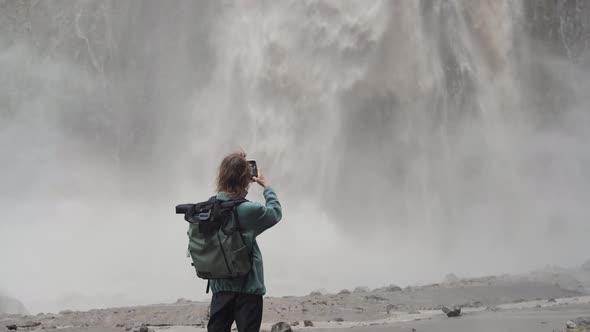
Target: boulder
column 454, row 312
column 281, row 327
column 344, row 292
column 29, row 325
column 391, row 307
column 390, row 288
column 580, row 324
column 11, row 327
column 307, row 323
column 583, row 322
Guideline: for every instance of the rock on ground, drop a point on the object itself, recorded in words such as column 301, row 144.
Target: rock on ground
column 281, row 327
column 390, row 288
column 454, row 312
column 580, row 324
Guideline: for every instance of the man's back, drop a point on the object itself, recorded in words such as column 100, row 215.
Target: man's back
column 254, row 218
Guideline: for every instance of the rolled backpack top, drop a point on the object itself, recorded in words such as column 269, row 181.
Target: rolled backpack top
column 216, row 245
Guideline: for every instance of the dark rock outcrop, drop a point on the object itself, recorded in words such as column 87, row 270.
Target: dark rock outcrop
column 29, row 325
column 391, row 307
column 390, row 288
column 344, row 292
column 581, row 324
column 454, row 312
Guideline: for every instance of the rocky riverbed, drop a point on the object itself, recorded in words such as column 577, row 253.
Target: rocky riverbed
column 355, row 308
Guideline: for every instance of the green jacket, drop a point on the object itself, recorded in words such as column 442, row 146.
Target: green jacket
column 255, row 218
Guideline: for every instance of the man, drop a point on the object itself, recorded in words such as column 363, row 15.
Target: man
column 241, row 299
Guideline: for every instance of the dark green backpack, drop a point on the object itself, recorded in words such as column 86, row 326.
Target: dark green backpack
column 216, row 245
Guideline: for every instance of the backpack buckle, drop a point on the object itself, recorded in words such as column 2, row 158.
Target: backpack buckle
column 203, row 216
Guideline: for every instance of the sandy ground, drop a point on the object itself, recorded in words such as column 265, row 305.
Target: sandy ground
column 511, row 303
column 523, row 320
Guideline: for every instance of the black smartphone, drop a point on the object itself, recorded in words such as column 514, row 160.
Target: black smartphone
column 253, row 167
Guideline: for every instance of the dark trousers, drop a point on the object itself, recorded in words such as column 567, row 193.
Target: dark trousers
column 245, row 309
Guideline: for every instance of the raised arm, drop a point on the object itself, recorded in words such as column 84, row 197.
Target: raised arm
column 270, row 213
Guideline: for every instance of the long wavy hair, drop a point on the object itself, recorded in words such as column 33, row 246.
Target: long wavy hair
column 234, row 174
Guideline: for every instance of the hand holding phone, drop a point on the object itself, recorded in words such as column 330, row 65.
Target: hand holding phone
column 253, row 168
column 261, row 181
column 256, row 176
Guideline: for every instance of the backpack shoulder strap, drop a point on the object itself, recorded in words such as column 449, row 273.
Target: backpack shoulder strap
column 237, row 203
column 233, row 202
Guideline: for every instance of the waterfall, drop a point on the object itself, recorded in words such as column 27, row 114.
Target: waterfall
column 416, row 118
